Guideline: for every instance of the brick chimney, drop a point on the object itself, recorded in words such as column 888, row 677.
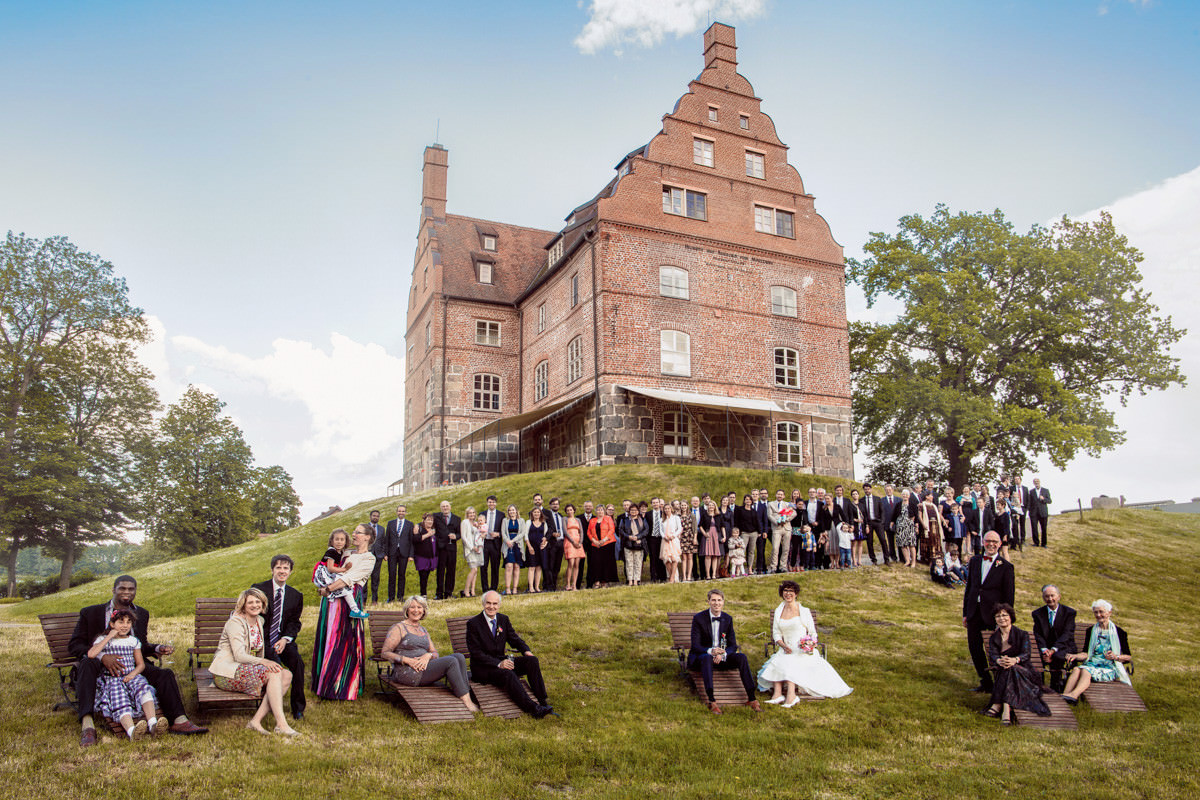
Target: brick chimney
column 720, row 47
column 433, row 182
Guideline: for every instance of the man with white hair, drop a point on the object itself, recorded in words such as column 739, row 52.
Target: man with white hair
column 1054, row 631
column 488, row 635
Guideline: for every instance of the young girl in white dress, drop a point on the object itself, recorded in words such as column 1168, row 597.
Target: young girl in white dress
column 128, row 695
column 797, row 664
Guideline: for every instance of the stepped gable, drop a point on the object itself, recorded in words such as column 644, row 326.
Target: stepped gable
column 520, row 253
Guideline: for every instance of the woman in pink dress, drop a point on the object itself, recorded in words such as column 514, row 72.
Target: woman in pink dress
column 670, row 551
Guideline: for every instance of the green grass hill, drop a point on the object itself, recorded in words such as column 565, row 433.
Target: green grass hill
column 630, row 727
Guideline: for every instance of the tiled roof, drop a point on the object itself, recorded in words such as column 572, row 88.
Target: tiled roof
column 520, row 253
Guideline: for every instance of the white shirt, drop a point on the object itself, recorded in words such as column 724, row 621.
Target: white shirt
column 716, row 631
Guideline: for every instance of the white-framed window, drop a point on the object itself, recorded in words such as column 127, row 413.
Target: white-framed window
column 575, row 441
column 575, row 290
column 774, row 221
column 677, row 435
column 673, row 282
column 685, row 203
column 676, row 349
column 429, row 396
column 783, row 301
column 787, row 367
column 554, row 253
column 712, row 113
column 702, row 152
column 575, row 359
column 788, row 446
column 428, row 335
column 744, row 122
column 487, row 332
column 541, row 317
column 489, row 243
column 541, row 380
column 486, row 395
column 755, row 164
column 484, row 271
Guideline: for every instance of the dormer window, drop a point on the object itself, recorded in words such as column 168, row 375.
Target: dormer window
column 489, row 243
column 555, row 253
column 483, row 271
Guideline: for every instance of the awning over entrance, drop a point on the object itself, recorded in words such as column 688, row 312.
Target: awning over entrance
column 517, row 422
column 758, row 406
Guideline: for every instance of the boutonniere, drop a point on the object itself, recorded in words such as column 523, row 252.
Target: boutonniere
column 499, row 630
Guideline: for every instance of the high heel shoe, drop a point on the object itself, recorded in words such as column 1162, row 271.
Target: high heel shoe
column 792, row 703
column 777, row 700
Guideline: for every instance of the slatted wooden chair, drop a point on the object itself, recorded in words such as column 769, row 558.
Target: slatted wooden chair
column 492, row 700
column 1110, row 696
column 1061, row 717
column 770, row 647
column 58, row 628
column 727, row 684
column 211, row 615
column 428, row 704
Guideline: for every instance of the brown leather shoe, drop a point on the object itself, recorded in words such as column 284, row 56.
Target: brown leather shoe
column 87, row 738
column 187, row 728
column 754, row 705
column 713, row 707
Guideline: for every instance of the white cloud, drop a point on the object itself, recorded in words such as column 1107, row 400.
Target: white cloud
column 353, row 393
column 645, row 23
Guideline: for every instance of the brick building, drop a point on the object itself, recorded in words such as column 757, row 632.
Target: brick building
column 691, row 312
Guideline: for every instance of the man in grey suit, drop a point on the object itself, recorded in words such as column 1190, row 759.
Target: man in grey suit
column 398, row 551
column 781, row 532
column 1039, row 511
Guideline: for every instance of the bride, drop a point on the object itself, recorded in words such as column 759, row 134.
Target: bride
column 797, row 663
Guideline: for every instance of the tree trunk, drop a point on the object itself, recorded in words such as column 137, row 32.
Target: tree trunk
column 68, row 564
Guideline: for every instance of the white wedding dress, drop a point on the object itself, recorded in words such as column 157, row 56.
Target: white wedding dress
column 812, row 674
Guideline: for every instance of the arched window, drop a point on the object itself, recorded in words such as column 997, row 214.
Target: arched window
column 787, row 367
column 541, row 380
column 487, row 392
column 673, row 282
column 676, row 349
column 787, row 443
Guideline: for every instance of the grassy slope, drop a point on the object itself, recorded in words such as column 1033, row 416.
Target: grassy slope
column 629, row 724
column 169, row 589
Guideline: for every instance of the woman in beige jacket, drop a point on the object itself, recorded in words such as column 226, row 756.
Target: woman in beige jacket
column 239, row 666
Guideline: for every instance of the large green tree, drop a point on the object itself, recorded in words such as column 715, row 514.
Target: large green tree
column 52, row 297
column 197, row 478
column 1006, row 347
column 274, row 504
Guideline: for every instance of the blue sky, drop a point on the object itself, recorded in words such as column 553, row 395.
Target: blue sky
column 253, row 170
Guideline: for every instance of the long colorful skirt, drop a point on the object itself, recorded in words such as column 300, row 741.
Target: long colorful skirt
column 337, row 663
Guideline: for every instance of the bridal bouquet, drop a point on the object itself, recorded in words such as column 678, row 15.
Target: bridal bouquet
column 807, row 644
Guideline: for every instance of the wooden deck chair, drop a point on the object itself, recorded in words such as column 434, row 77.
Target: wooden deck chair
column 770, row 647
column 1110, row 696
column 493, row 700
column 428, row 704
column 211, row 615
column 727, row 684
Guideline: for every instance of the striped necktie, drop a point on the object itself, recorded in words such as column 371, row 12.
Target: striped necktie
column 277, row 617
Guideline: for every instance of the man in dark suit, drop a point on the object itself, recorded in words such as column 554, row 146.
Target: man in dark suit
column 990, row 581
column 873, row 525
column 491, row 545
column 399, row 551
column 92, row 622
column 282, row 626
column 379, row 549
column 446, row 529
column 979, row 520
column 488, row 635
column 555, row 530
column 1054, row 631
column 893, row 506
column 1018, row 501
column 1039, row 510
column 714, row 646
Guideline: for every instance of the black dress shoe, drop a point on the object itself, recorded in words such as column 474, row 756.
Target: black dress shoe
column 542, row 711
column 297, row 715
column 982, row 689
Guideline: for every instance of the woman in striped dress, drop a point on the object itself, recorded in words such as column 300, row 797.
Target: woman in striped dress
column 338, row 653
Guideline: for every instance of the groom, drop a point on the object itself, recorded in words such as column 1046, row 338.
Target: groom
column 714, row 646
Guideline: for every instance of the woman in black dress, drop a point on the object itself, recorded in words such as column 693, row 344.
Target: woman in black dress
column 1016, row 685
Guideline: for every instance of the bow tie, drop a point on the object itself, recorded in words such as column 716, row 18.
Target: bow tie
column 988, row 558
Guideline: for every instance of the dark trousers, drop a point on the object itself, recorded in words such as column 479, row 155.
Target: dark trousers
column 552, row 558
column 163, row 681
column 423, row 576
column 1039, row 522
column 510, row 681
column 872, row 531
column 446, row 565
column 760, row 556
column 376, row 572
column 738, row 661
column 294, row 662
column 490, row 574
column 658, row 570
column 1058, row 675
column 975, row 645
column 796, row 552
column 397, row 577
column 891, row 543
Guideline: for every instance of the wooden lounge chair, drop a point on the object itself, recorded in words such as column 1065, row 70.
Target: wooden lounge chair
column 58, row 629
column 1110, row 696
column 1061, row 717
column 211, row 615
column 492, row 700
column 770, row 647
column 727, row 684
column 428, row 704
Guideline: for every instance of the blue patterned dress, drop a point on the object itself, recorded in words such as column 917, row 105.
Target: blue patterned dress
column 116, row 697
column 1100, row 668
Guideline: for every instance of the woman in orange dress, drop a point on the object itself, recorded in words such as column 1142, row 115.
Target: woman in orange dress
column 602, row 564
column 572, row 545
